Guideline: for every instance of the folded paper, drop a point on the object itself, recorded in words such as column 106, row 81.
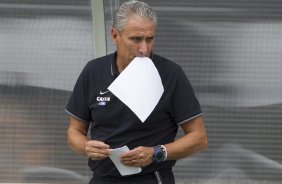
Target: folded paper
column 139, row 86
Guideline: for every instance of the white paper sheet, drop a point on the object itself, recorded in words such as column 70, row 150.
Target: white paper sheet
column 124, row 170
column 139, row 86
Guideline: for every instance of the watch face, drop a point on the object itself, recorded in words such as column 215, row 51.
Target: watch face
column 160, row 156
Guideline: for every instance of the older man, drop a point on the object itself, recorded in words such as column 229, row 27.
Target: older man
column 152, row 144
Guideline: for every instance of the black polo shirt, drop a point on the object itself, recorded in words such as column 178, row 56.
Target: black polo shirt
column 115, row 124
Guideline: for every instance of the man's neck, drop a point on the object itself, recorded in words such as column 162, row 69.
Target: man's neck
column 121, row 65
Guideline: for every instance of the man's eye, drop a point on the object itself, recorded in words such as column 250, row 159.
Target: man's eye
column 149, row 39
column 136, row 39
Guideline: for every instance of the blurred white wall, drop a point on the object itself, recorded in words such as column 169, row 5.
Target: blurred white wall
column 48, row 51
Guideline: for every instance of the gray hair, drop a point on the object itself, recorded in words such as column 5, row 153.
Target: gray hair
column 132, row 7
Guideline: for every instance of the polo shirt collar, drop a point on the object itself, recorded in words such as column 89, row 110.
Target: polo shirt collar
column 114, row 69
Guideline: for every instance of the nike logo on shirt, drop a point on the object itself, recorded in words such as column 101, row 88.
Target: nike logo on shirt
column 102, row 93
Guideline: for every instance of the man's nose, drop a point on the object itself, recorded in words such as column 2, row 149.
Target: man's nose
column 143, row 49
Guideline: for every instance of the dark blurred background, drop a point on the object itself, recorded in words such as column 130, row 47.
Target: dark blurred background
column 230, row 51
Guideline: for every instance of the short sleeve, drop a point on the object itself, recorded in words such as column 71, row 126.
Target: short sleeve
column 184, row 102
column 77, row 106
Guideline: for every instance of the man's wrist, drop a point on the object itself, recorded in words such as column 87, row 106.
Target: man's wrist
column 160, row 154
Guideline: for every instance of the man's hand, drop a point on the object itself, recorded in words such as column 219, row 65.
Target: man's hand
column 138, row 157
column 97, row 150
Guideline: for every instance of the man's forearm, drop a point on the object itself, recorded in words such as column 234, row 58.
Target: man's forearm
column 194, row 140
column 186, row 146
column 77, row 141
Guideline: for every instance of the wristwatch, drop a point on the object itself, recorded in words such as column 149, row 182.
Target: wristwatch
column 159, row 154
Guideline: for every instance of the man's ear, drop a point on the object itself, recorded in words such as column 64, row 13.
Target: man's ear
column 114, row 34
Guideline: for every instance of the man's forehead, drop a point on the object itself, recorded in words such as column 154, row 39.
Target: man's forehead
column 140, row 36
column 139, row 32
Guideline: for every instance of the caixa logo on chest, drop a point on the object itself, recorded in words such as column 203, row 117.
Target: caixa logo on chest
column 102, row 100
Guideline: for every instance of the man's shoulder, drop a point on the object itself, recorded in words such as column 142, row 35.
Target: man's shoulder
column 163, row 63
column 103, row 60
column 97, row 66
